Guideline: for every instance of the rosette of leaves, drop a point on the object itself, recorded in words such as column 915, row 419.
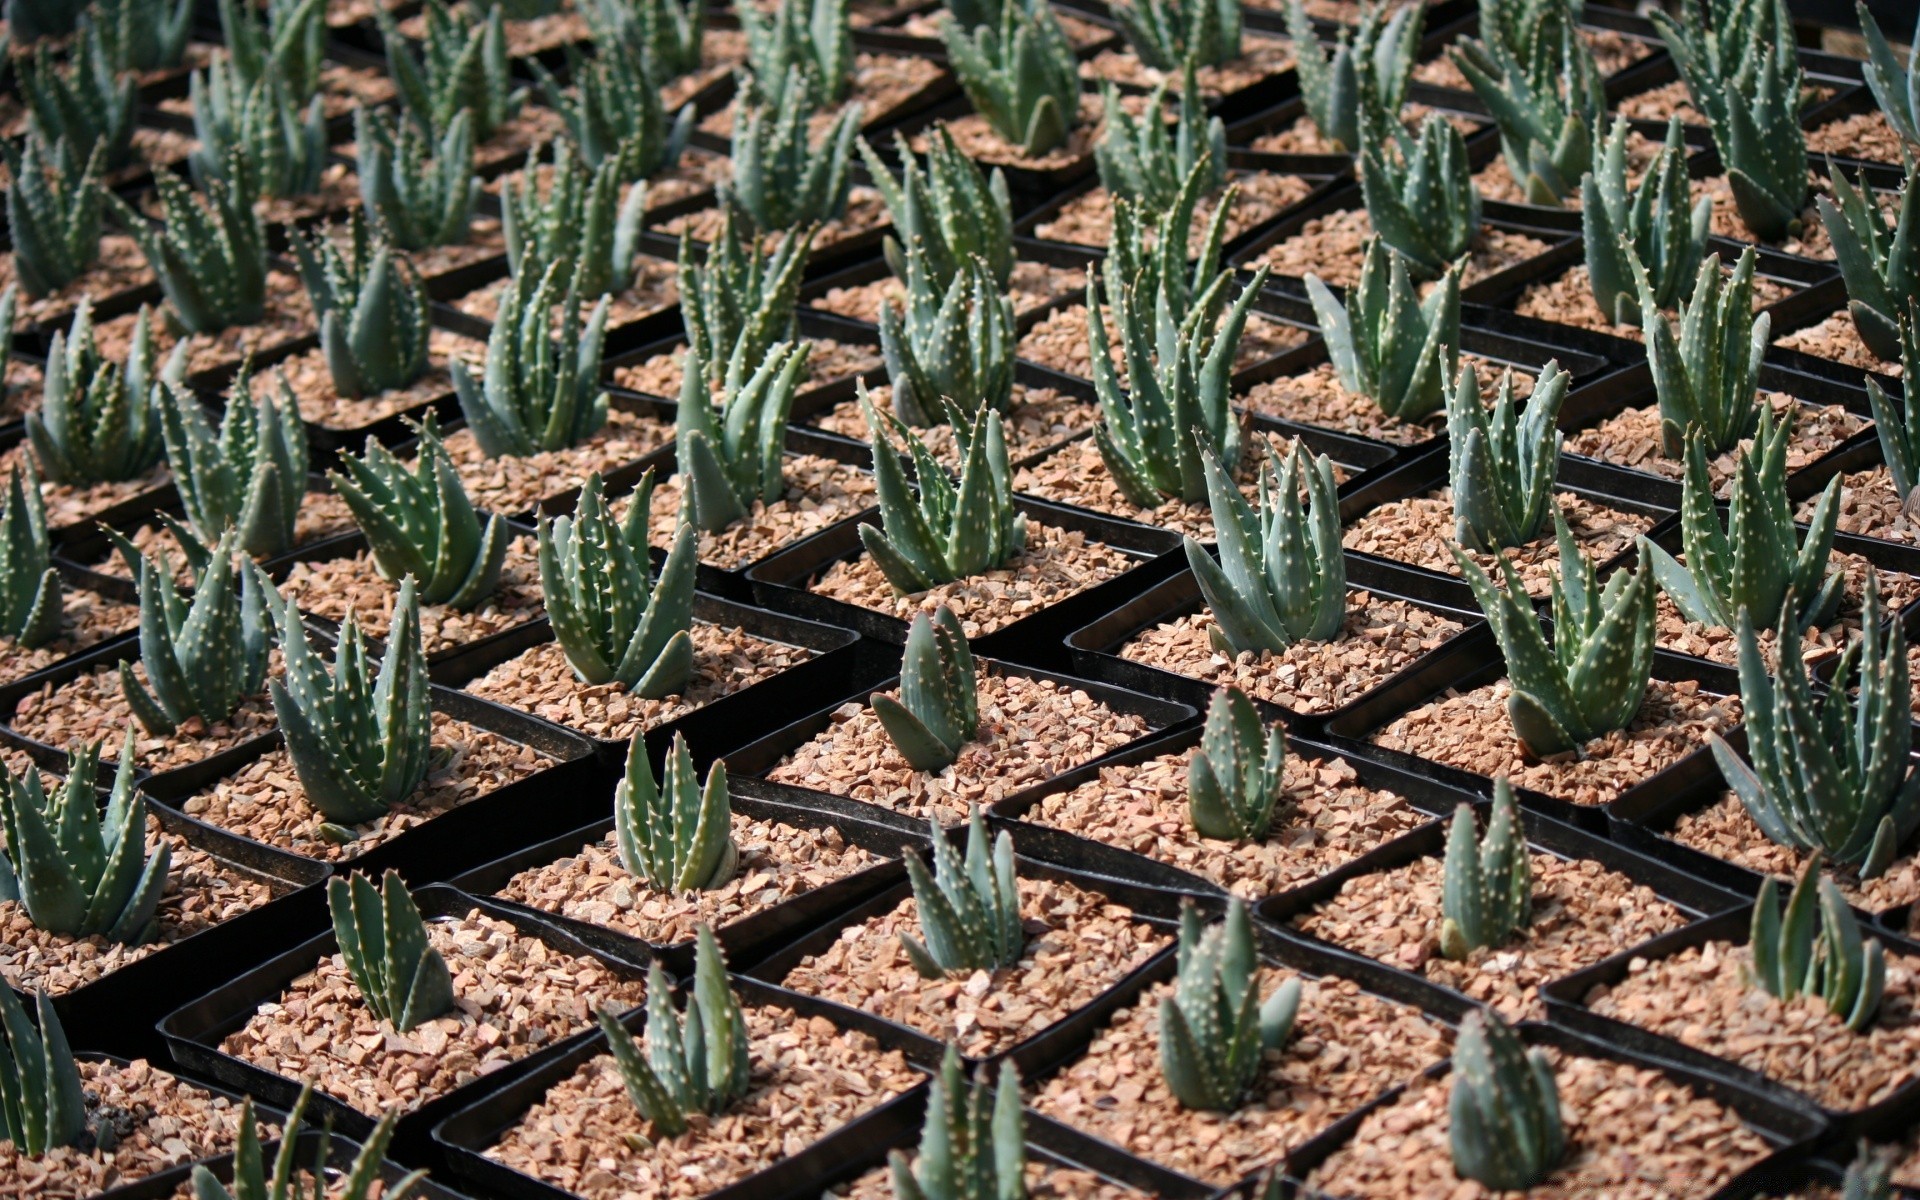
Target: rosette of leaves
column 1545, row 96
column 422, row 192
column 945, row 215
column 537, row 392
column 1503, row 1111
column 383, row 941
column 53, row 216
column 938, row 711
column 812, row 39
column 1020, row 75
column 282, row 39
column 98, row 420
column 1878, row 259
column 142, row 36
column 30, row 588
column 1366, row 70
column 285, row 155
column 1384, row 341
column 1422, row 204
column 1235, row 778
column 1215, row 1029
column 1487, row 894
column 954, row 346
column 665, row 35
column 973, row 1142
column 1708, row 377
column 1814, row 948
column 211, row 256
column 85, row 104
column 1167, row 34
column 696, row 1061
column 1651, row 226
column 372, row 307
column 675, row 834
column 780, row 178
column 249, row 475
column 204, row 652
column 742, row 298
column 1897, row 422
column 460, row 64
column 1895, row 88
column 1140, row 161
column 730, row 453
column 969, row 909
column 577, row 219
column 42, row 1104
column 1501, row 462
column 613, row 113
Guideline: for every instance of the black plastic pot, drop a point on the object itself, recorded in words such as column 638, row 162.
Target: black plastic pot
column 1027, row 185
column 340, row 1155
column 148, row 1187
column 195, row 1031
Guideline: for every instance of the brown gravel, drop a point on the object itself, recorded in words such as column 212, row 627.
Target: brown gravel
column 92, row 708
column 1568, row 300
column 512, row 995
column 539, row 681
column 1381, row 637
column 1471, row 731
column 1056, row 564
column 977, row 140
column 1079, row 945
column 288, row 316
column 1077, row 475
column 827, row 361
column 263, row 800
column 1656, row 104
column 334, row 587
column 1261, row 57
column 120, row 268
column 1612, row 51
column 865, row 212
column 809, row 1079
column 1419, row 530
column 1835, row 337
column 321, row 404
column 1333, row 818
column 1812, row 240
column 1632, row 1134
column 201, row 892
column 1700, row 997
column 655, row 287
column 1039, row 419
column 882, row 84
column 1087, row 219
column 1032, row 286
column 820, row 492
column 485, row 240
column 1724, row 830
column 1044, row 1182
column 1060, row 340
column 160, row 1121
column 1053, row 726
column 777, row 863
column 1631, row 439
column 1303, row 137
column 516, row 485
column 1495, row 181
column 1861, row 135
column 87, row 619
column 1315, row 397
column 1331, row 247
column 1347, row 1047
column 81, row 504
column 1869, row 506
column 1721, row 645
column 1582, row 913
column 322, row 515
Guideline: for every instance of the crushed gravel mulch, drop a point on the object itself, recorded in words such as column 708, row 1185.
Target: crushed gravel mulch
column 120, row 267
column 1632, row 1134
column 1032, row 286
column 1315, row 397
column 1060, row 340
column 1038, row 419
column 1859, row 135
column 808, row 1080
column 516, row 485
column 827, row 361
column 1869, row 506
column 1332, row 247
column 1495, row 181
column 331, row 588
column 322, row 515
column 1812, row 240
column 1835, row 337
column 1079, row 944
column 1419, row 530
column 1381, row 637
column 1632, row 439
column 1722, row 645
column 1612, row 51
column 1567, row 299
column 654, row 286
column 92, row 708
column 820, row 492
column 1347, row 1047
column 865, row 212
column 882, row 84
column 1472, row 731
column 321, row 403
column 86, row 620
column 80, row 505
column 1030, row 730
column 1327, row 818
column 512, row 995
column 1261, row 57
column 977, row 140
column 263, row 800
column 1724, row 830
column 1087, row 219
column 288, row 316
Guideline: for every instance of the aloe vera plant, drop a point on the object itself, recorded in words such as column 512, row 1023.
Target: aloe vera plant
column 1140, row 161
column 1870, row 1175
column 1757, row 560
column 141, row 35
column 372, row 308
column 613, row 112
column 944, row 530
column 359, row 736
column 252, row 1181
column 1165, row 34
column 383, row 941
column 1897, row 422
column 1829, row 772
column 1651, row 226
column 98, row 421
column 1367, row 70
column 944, row 215
column 204, row 653
column 780, row 178
column 1895, row 88
column 460, row 65
column 419, row 524
column 1814, row 948
column 665, row 35
column 85, row 104
column 1503, row 1110
column 537, row 392
column 576, row 219
column 421, row 191
column 1235, row 784
column 729, row 461
column 249, row 475
column 53, row 216
column 615, row 620
column 1487, row 897
column 954, row 345
column 1282, row 577
column 810, row 39
column 1215, row 1028
column 1878, row 259
column 676, row 834
column 938, row 711
column 969, row 908
column 78, row 870
column 1147, row 252
column 286, row 41
column 1020, row 75
column 1502, row 463
column 973, row 1142
column 742, row 298
column 30, row 588
column 1545, row 96
column 1743, row 71
column 1708, row 376
column 696, row 1061
column 255, row 124
column 211, row 257
column 42, row 1105
column 1385, row 342
column 1422, row 204
column 1590, row 680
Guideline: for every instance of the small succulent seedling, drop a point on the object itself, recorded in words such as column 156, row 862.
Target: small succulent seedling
column 1503, row 1111
column 1367, row 70
column 1147, row 252
column 730, row 452
column 742, row 297
column 1870, row 1175
column 249, row 475
column 359, row 737
column 30, row 587
column 204, row 653
column 1829, row 771
column 696, row 1062
column 285, row 39
column 53, row 216
column 1421, row 203
column 1020, row 74
column 1877, row 258
column 1167, row 34
column 973, row 1142
column 1502, row 463
column 941, row 530
column 1139, row 160
column 251, row 1180
column 938, row 711
column 422, row 192
column 1896, row 422
column 1590, row 680
column 98, row 421
column 1814, row 948
column 1758, row 558
column 956, row 344
column 383, row 942
column 613, row 113
column 808, row 39
column 81, row 100
column 211, row 256
column 1488, row 893
column 1546, row 97
column 781, row 179
column 1215, row 1029
column 1282, row 576
column 577, row 220
column 664, row 35
column 141, row 36
column 675, row 834
column 460, row 64
column 1235, row 782
column 1708, row 376
column 254, row 127
column 1651, row 225
column 372, row 307
column 78, row 870
column 1895, row 89
column 537, row 392
column 944, row 215
column 969, row 910
column 1385, row 342
column 42, row 1105
column 615, row 620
